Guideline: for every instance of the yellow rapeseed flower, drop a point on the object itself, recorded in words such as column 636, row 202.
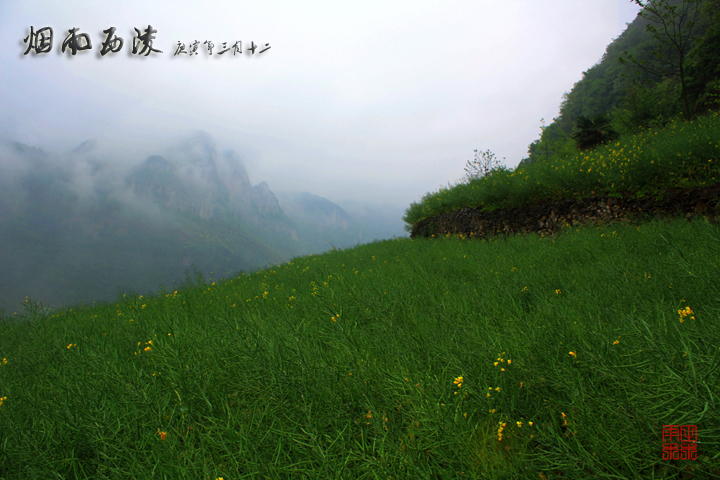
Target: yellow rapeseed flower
column 684, row 313
column 501, row 427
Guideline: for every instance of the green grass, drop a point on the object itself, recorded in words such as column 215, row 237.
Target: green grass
column 680, row 154
column 517, row 357
column 347, row 365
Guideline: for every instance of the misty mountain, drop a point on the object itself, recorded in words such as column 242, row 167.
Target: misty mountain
column 316, row 210
column 379, row 220
column 200, row 182
column 334, row 225
column 70, row 233
column 78, row 226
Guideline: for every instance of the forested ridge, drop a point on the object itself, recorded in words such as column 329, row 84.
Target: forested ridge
column 638, row 83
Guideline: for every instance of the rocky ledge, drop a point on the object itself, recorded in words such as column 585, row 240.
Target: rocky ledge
column 548, row 216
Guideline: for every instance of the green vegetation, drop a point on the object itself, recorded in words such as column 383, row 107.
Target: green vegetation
column 683, row 154
column 671, row 27
column 593, row 132
column 426, row 358
column 647, row 76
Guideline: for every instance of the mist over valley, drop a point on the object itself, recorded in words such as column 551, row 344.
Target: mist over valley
column 82, row 225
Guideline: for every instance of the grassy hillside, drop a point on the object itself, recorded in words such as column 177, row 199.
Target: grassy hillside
column 680, row 154
column 425, row 358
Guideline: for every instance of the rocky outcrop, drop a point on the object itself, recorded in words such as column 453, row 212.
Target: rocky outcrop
column 548, row 217
column 86, row 147
column 195, row 179
column 265, row 200
column 158, row 180
column 231, row 169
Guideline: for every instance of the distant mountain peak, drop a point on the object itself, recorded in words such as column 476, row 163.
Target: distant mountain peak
column 22, row 148
column 265, row 199
column 199, row 148
column 86, row 147
column 196, row 179
column 316, row 209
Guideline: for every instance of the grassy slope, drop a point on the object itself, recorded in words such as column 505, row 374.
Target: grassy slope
column 398, row 359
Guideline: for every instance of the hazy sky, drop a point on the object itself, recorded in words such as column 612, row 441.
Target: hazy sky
column 354, row 100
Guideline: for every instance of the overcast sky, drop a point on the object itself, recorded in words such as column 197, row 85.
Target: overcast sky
column 378, row 101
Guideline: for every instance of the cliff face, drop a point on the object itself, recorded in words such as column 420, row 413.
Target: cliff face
column 264, row 199
column 158, row 180
column 197, row 180
column 548, row 217
column 230, row 168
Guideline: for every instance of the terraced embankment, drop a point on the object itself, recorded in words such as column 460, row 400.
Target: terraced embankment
column 548, row 216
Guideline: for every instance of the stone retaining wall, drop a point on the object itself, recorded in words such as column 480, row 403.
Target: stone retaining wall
column 549, row 216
